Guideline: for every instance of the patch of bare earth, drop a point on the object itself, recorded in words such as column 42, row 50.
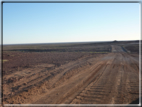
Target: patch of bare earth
column 91, row 79
column 25, row 84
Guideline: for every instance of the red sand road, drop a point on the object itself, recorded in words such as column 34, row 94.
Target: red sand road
column 108, row 79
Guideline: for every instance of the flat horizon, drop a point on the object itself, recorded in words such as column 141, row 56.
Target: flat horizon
column 74, row 42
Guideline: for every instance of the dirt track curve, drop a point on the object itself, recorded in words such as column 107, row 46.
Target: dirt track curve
column 107, row 79
column 112, row 79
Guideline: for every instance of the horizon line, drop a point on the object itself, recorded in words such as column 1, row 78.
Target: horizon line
column 68, row 42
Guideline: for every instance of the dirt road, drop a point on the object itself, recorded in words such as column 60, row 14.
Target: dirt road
column 113, row 79
column 106, row 79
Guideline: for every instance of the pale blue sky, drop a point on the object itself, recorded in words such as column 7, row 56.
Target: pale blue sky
column 70, row 22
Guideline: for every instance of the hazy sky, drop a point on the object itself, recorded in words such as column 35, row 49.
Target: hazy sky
column 70, row 22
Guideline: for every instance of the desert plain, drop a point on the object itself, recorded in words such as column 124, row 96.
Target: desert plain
column 71, row 73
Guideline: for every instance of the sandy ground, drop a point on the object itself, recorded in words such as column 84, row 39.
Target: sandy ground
column 111, row 78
